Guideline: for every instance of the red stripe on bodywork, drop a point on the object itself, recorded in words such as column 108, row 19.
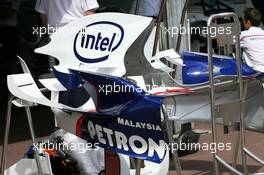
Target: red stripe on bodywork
column 78, row 126
column 184, row 90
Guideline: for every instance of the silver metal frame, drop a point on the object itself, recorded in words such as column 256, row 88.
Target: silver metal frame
column 182, row 21
column 42, row 169
column 157, row 34
column 216, row 158
column 179, row 37
column 7, row 129
column 169, row 130
column 240, row 139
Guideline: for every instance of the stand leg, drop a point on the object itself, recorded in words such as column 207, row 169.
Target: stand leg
column 235, row 152
column 139, row 164
column 7, row 129
column 171, row 140
column 30, row 125
column 33, row 138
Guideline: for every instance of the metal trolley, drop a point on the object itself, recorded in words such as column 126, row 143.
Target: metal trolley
column 240, row 139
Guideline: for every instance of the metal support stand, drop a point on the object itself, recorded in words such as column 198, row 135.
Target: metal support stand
column 216, row 158
column 176, row 160
column 7, row 129
column 41, row 158
column 235, row 152
column 157, row 34
column 179, row 37
column 30, row 124
column 182, row 21
column 242, row 96
column 139, row 164
column 33, row 137
column 246, row 151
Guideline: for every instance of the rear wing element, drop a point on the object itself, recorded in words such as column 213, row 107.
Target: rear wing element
column 96, row 41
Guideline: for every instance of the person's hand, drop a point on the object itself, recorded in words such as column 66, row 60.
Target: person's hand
column 89, row 12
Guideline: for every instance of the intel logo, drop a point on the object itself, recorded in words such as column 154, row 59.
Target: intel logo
column 96, row 41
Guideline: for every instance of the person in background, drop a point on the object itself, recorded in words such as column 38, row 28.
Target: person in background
column 57, row 13
column 252, row 40
column 149, row 8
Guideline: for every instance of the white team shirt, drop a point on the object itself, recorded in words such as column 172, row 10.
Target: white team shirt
column 252, row 43
column 61, row 12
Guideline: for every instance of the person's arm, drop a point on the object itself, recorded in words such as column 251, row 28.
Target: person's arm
column 44, row 20
column 89, row 12
column 89, row 6
column 41, row 7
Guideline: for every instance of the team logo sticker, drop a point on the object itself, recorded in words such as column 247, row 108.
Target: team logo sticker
column 96, row 41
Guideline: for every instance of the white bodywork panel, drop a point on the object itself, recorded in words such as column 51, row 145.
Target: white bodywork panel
column 62, row 41
column 23, row 167
column 24, row 87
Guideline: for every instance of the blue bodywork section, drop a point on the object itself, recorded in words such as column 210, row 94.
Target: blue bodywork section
column 69, row 81
column 124, row 109
column 196, row 69
column 129, row 104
